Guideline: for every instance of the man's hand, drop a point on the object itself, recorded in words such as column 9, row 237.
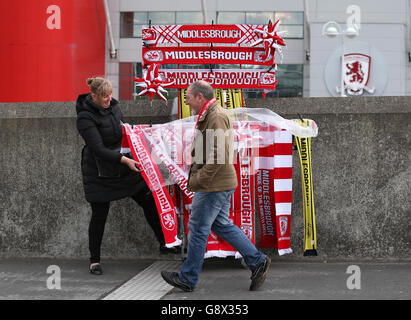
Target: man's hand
column 132, row 164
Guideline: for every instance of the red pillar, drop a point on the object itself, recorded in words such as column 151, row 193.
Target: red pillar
column 49, row 47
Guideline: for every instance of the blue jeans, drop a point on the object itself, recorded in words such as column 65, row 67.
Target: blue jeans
column 210, row 211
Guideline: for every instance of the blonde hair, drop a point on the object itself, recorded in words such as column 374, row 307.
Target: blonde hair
column 99, row 86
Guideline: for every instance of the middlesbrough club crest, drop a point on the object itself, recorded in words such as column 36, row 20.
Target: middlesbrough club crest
column 356, row 73
column 283, row 225
column 168, row 221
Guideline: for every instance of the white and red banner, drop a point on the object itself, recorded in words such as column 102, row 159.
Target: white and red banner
column 182, row 34
column 206, row 55
column 172, row 44
column 220, row 78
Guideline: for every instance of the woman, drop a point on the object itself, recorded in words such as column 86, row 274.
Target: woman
column 109, row 175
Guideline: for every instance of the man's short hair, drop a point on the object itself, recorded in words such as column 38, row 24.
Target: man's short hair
column 202, row 87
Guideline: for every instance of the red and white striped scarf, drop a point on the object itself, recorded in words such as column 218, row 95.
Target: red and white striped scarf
column 274, row 190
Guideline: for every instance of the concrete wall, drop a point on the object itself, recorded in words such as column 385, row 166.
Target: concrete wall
column 361, row 170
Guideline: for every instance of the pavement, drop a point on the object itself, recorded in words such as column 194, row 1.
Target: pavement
column 221, row 279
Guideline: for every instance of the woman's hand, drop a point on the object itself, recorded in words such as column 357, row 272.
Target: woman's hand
column 132, row 164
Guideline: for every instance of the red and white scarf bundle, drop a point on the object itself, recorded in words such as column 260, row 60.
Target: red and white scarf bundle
column 264, row 173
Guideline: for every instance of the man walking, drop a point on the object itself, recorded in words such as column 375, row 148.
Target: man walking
column 213, row 183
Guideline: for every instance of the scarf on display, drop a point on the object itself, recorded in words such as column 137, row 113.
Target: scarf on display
column 274, row 190
column 153, row 178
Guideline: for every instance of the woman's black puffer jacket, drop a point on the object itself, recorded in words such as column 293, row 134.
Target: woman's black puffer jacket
column 105, row 178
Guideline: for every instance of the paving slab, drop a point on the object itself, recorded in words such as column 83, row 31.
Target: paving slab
column 221, row 279
column 36, row 278
column 302, row 280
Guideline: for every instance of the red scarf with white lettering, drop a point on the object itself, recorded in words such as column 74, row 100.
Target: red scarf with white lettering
column 153, row 178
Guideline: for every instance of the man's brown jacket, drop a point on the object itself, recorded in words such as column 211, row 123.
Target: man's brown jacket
column 212, row 166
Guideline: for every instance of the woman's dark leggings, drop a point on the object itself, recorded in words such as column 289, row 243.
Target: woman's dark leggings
column 99, row 217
